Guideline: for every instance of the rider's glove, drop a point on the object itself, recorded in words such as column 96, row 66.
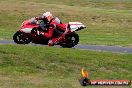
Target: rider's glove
column 38, row 18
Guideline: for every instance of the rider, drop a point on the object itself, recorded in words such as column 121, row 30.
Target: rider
column 53, row 23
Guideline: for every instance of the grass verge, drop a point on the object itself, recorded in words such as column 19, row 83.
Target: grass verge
column 23, row 66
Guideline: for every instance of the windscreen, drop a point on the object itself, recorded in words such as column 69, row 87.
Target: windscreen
column 57, row 20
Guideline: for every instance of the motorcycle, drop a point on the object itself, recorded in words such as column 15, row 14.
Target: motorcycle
column 28, row 33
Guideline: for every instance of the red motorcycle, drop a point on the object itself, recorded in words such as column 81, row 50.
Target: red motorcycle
column 28, row 33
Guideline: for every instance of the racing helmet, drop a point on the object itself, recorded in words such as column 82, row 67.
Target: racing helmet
column 48, row 15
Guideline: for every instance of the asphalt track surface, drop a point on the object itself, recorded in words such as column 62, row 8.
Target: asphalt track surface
column 115, row 49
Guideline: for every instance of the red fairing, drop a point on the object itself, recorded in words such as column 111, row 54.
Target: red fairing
column 28, row 24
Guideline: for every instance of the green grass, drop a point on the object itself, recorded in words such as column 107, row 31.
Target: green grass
column 108, row 22
column 24, row 66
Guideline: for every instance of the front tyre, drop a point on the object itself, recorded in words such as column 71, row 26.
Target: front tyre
column 71, row 40
column 21, row 38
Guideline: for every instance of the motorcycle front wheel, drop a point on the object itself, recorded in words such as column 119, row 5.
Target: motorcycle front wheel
column 20, row 38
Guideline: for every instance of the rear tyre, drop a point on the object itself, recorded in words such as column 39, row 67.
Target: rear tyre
column 20, row 38
column 71, row 40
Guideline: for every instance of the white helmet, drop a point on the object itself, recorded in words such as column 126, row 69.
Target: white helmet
column 48, row 15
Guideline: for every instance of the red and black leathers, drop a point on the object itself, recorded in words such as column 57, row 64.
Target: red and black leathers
column 52, row 27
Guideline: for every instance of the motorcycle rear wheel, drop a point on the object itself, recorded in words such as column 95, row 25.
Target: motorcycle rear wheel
column 71, row 40
column 20, row 38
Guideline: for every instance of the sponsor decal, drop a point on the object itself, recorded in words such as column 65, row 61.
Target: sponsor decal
column 85, row 81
